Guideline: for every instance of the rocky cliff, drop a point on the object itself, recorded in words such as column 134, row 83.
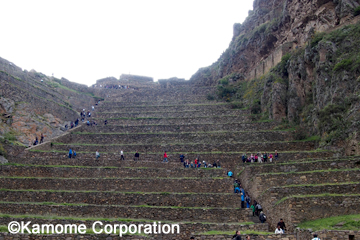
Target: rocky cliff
column 32, row 104
column 295, row 62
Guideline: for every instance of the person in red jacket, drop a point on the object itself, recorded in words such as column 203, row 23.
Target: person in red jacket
column 165, row 157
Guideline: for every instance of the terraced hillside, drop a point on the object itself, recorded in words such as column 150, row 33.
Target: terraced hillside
column 45, row 186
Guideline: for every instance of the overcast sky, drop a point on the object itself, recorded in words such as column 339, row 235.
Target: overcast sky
column 85, row 40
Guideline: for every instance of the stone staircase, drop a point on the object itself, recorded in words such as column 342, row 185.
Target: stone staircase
column 44, row 185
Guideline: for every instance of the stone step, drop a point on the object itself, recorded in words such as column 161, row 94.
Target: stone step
column 215, row 215
column 201, row 127
column 185, row 227
column 107, row 172
column 152, row 160
column 184, row 147
column 230, row 200
column 174, row 121
column 196, row 185
column 150, row 138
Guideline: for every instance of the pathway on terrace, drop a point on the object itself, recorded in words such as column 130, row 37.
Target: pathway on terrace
column 44, row 184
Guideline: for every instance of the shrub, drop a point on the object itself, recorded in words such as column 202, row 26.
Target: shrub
column 345, row 64
column 256, row 107
column 10, row 136
column 357, row 11
column 237, row 105
column 2, row 150
column 300, row 133
column 210, row 97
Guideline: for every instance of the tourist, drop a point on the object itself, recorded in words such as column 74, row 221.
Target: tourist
column 165, row 157
column 214, row 165
column 316, row 237
column 278, row 230
column 88, row 122
column 247, row 200
column 244, row 157
column 105, row 122
column 258, row 209
column 262, row 217
column 236, row 186
column 122, row 155
column 282, row 225
column 230, row 174
column 92, row 107
column 196, row 162
column 253, row 208
column 218, row 164
column 248, row 237
column 192, row 165
column 205, row 164
column 137, row 156
column 42, row 138
column 36, row 141
column 242, row 194
column 70, row 153
column 237, row 236
column 97, row 154
column 74, row 154
column 271, row 157
column 256, row 158
column 265, row 157
column 182, row 158
column 276, row 155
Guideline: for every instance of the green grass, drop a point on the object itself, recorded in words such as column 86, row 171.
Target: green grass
column 157, row 118
column 180, row 105
column 350, row 222
column 172, row 144
column 115, row 178
column 177, row 133
column 186, row 153
column 316, row 196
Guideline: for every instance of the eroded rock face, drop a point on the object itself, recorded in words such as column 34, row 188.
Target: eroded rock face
column 268, row 27
column 6, row 105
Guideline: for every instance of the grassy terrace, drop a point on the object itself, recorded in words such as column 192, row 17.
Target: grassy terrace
column 181, row 133
column 172, row 144
column 345, row 222
column 316, row 196
column 157, row 118
column 96, row 205
column 111, row 192
column 314, row 171
column 175, row 105
column 291, row 162
column 230, row 109
column 113, row 178
column 196, row 153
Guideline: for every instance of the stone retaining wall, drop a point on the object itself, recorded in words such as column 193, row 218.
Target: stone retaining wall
column 127, row 185
column 118, row 198
column 186, row 147
column 202, row 127
column 68, row 172
column 176, row 121
column 175, row 137
column 184, row 227
column 164, row 108
column 296, row 210
column 170, row 114
column 259, row 183
column 218, row 215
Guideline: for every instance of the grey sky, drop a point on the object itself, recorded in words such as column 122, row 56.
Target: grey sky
column 85, row 40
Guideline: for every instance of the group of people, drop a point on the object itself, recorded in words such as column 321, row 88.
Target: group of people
column 260, row 157
column 36, row 141
column 72, row 153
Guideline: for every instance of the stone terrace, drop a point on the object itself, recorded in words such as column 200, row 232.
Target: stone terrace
column 43, row 184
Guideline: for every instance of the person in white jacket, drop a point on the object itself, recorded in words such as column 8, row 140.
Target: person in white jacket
column 278, row 230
